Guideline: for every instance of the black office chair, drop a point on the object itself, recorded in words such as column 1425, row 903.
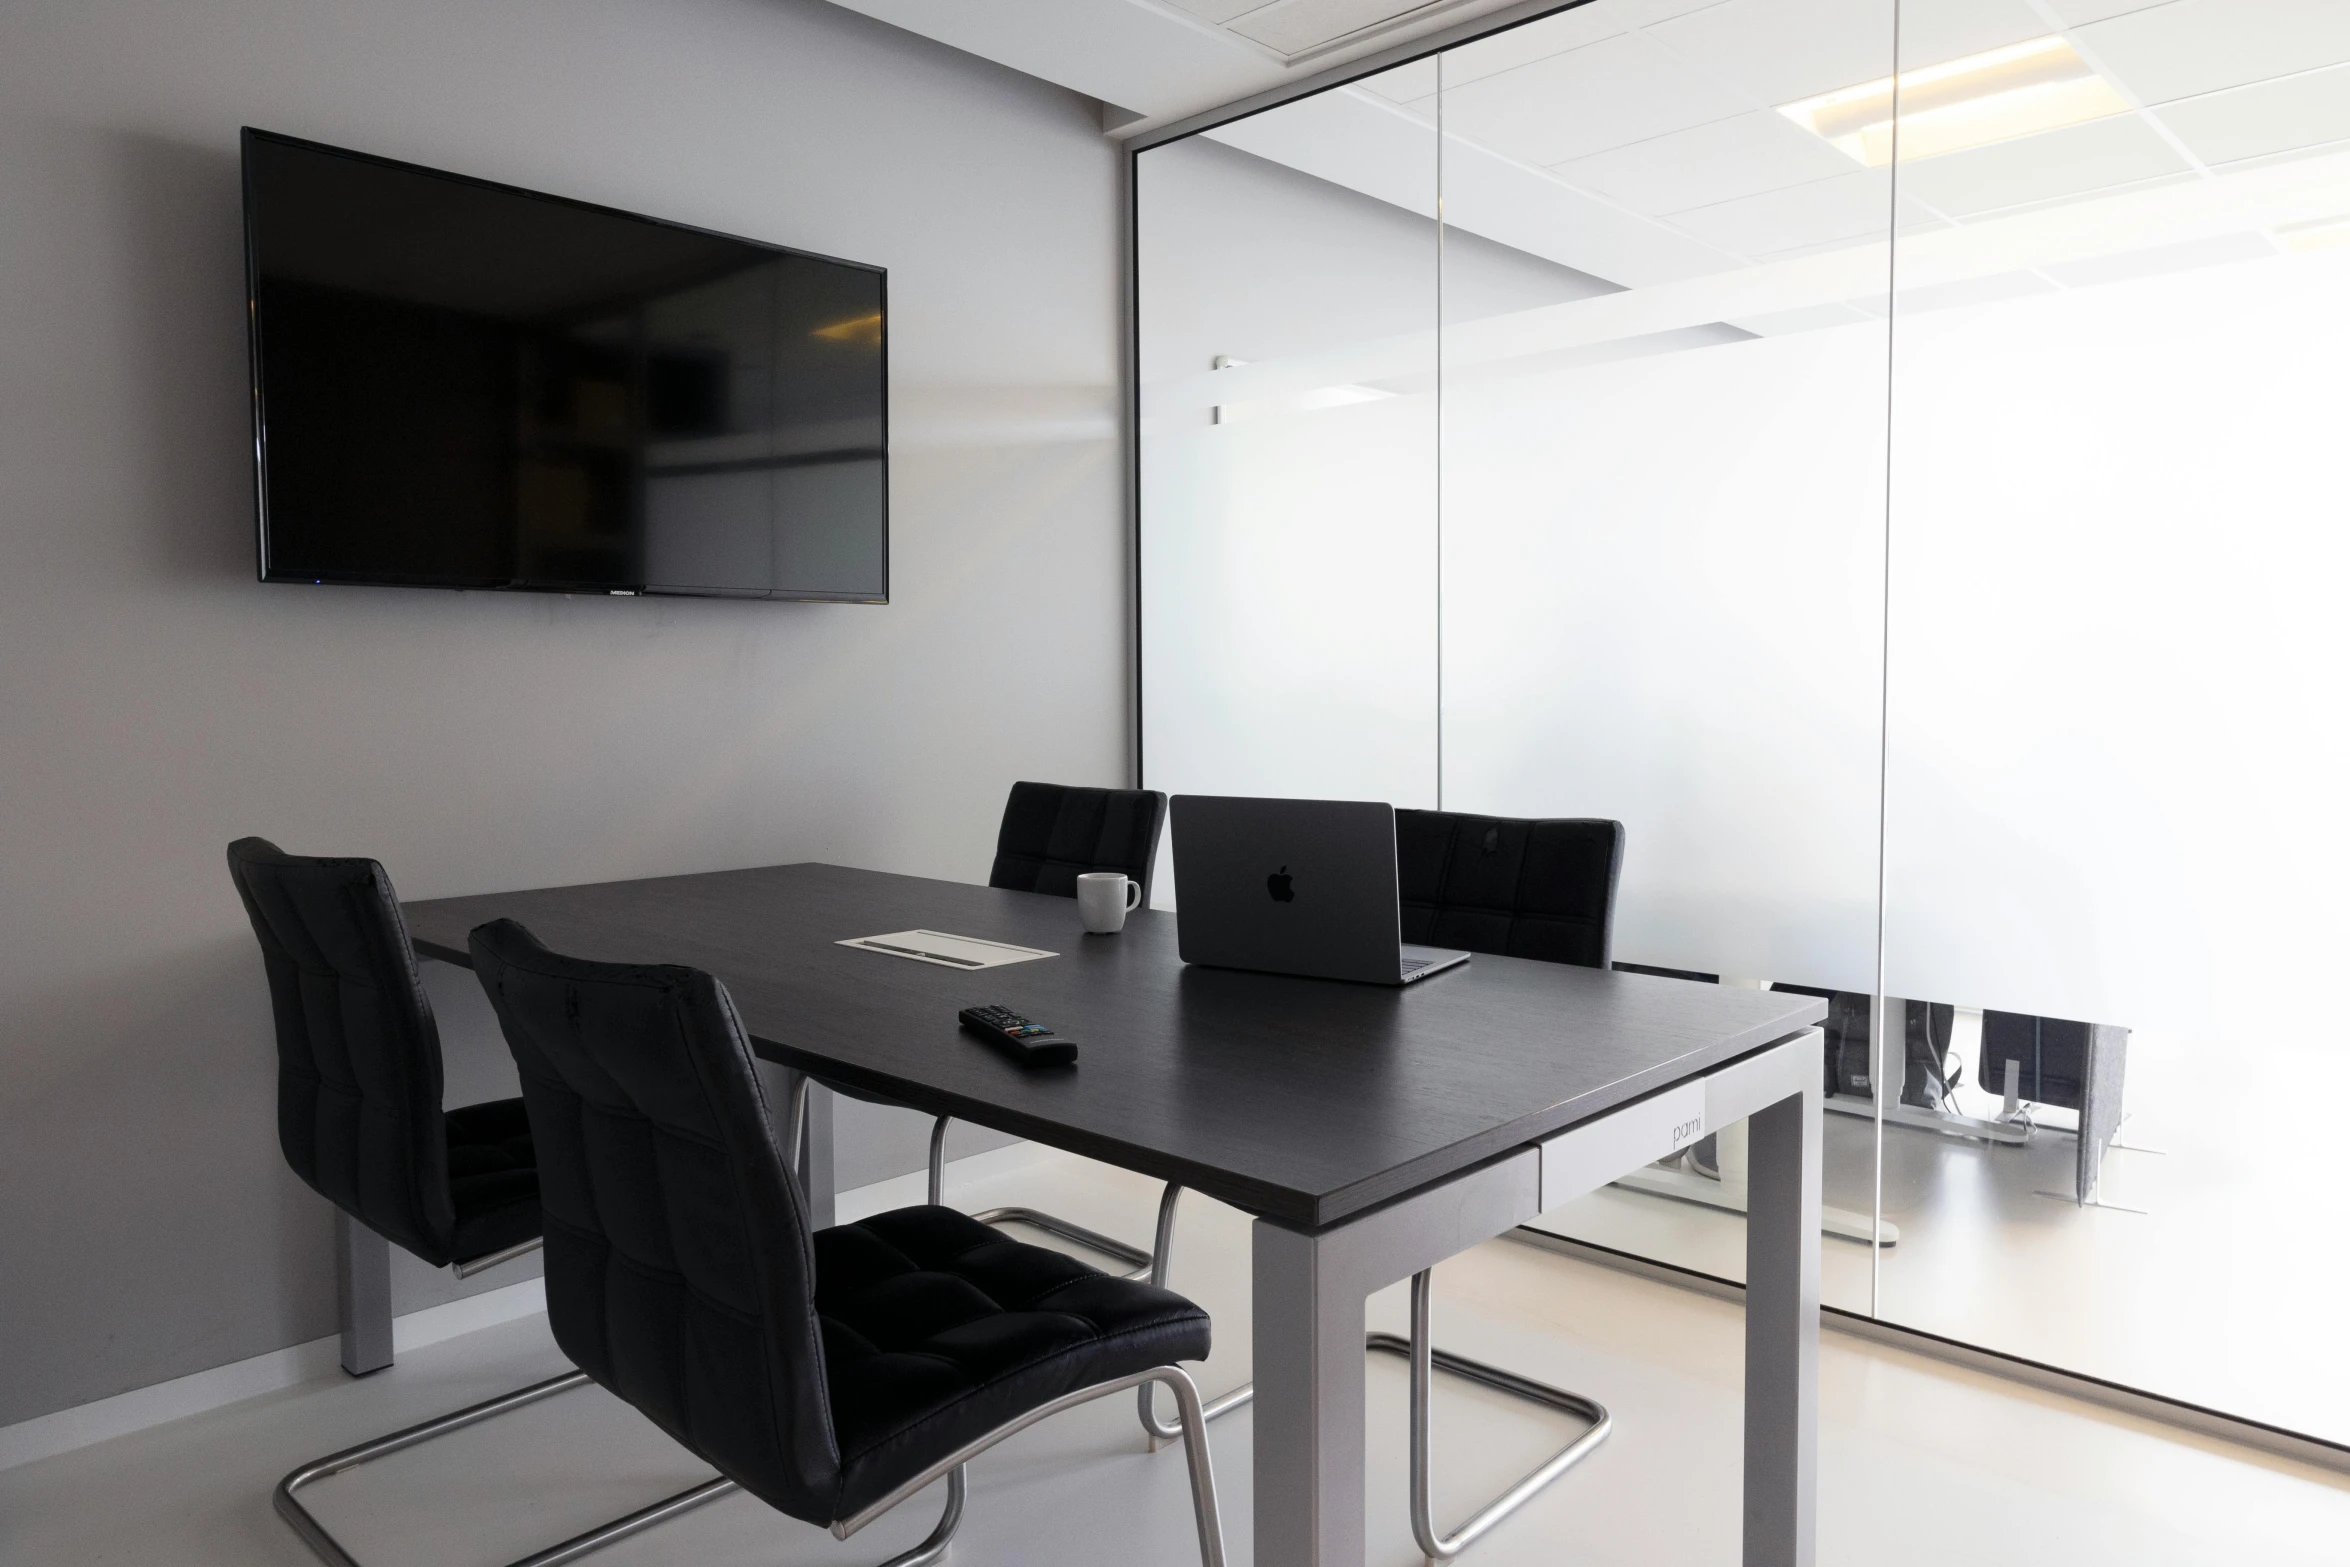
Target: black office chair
column 1543, row 889
column 359, row 1118
column 1051, row 835
column 833, row 1375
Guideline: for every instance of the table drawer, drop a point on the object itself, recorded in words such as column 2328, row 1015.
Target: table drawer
column 1620, row 1142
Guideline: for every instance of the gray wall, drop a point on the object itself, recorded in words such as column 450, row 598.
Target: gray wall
column 155, row 702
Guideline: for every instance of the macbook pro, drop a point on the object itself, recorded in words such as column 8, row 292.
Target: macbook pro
column 1303, row 887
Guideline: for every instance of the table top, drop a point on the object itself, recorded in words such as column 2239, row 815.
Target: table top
column 1303, row 1100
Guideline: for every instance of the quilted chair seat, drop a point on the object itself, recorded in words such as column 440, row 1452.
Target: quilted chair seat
column 818, row 1371
column 493, row 1178
column 937, row 1329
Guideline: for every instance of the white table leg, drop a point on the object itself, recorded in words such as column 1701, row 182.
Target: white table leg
column 1783, row 1330
column 819, row 1179
column 1308, row 1311
column 1309, row 1434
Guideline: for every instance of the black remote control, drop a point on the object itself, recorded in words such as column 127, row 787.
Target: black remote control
column 1030, row 1044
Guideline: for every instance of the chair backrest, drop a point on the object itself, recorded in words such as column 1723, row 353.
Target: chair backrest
column 680, row 1272
column 358, row 1054
column 1543, row 888
column 1052, row 833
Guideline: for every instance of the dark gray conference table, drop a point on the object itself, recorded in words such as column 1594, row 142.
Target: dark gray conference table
column 1373, row 1132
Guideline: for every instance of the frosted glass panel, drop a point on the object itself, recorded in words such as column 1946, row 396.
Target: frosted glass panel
column 1664, row 583
column 1288, row 532
column 2119, row 712
column 1664, row 524
column 1926, row 540
column 1290, row 608
column 2121, row 657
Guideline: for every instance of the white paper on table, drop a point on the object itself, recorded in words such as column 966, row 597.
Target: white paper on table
column 936, row 946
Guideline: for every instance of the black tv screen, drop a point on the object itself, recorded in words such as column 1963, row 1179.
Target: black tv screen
column 460, row 384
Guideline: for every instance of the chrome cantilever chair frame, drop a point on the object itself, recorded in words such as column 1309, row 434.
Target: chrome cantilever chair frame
column 1191, row 1428
column 1426, row 1359
column 1137, row 1261
column 329, row 1549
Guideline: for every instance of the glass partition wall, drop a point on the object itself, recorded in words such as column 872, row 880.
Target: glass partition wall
column 1885, row 457
column 2118, row 680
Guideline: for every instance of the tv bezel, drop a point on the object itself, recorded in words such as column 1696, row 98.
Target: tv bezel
column 249, row 135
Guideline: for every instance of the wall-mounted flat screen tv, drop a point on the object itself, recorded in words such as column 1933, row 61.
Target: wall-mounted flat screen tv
column 460, row 384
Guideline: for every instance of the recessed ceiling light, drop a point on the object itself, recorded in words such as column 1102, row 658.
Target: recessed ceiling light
column 1984, row 98
column 2324, row 234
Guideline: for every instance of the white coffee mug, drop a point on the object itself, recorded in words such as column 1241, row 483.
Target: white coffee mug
column 1103, row 898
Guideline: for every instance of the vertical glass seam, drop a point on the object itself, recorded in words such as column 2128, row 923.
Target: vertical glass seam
column 1439, row 453
column 1882, row 1037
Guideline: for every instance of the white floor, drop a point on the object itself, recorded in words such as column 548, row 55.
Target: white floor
column 2217, row 1277
column 1920, row 1464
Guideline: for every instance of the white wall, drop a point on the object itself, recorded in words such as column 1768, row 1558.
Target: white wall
column 155, row 702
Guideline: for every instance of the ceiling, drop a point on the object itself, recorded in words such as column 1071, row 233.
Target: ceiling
column 1641, row 142
column 1670, row 107
column 1151, row 62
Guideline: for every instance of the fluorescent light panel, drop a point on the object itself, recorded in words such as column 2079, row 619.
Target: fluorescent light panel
column 2022, row 89
column 2324, row 234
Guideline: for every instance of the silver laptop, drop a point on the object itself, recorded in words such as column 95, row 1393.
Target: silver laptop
column 1293, row 887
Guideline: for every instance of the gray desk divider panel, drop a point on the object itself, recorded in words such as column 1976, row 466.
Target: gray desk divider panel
column 2101, row 1104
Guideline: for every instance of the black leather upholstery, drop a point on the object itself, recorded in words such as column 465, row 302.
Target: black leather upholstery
column 816, row 1371
column 1518, row 888
column 359, row 1066
column 938, row 1329
column 493, row 1178
column 1053, row 833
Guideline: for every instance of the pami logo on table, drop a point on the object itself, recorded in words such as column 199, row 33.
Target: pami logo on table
column 1279, row 886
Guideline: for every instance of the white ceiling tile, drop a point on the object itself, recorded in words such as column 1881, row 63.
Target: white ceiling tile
column 2073, row 161
column 1294, row 26
column 1755, row 152
column 1218, row 11
column 2076, row 13
column 1849, row 208
column 1781, row 50
column 1603, row 95
column 1405, row 83
column 1646, row 13
column 1933, row 31
column 1557, row 34
column 1784, row 50
column 2279, row 116
column 2199, row 46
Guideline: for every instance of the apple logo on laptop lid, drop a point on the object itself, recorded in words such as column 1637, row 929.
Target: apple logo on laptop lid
column 1278, row 884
